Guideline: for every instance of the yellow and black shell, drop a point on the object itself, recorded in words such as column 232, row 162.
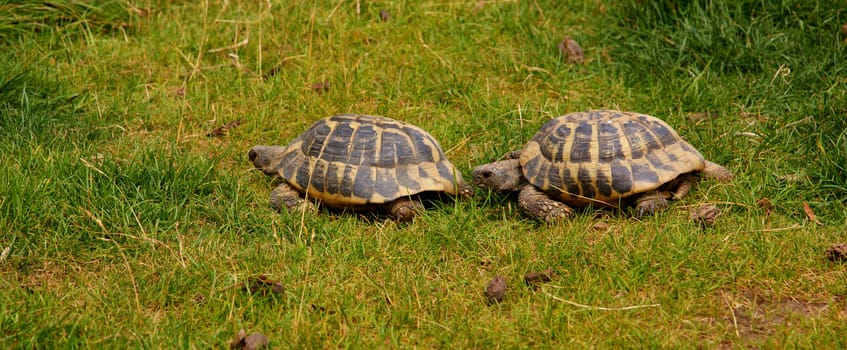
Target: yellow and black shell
column 606, row 155
column 348, row 160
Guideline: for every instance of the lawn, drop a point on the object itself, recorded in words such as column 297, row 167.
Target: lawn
column 130, row 216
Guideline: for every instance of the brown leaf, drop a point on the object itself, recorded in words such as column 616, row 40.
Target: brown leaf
column 837, row 252
column 600, row 226
column 321, row 86
column 383, row 15
column 844, row 30
column 810, row 213
column 496, row 290
column 179, row 91
column 264, row 285
column 140, row 12
column 705, row 214
column 223, row 129
column 571, row 51
column 248, row 342
column 533, row 279
column 765, row 204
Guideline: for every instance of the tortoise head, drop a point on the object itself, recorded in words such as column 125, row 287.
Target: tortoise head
column 505, row 175
column 266, row 158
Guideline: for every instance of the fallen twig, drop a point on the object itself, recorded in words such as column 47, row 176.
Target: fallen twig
column 589, row 307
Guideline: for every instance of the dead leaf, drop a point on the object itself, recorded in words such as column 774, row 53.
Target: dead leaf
column 383, row 15
column 248, row 342
column 600, row 226
column 844, row 31
column 765, row 204
column 179, row 91
column 264, row 285
column 705, row 214
column 533, row 279
column 321, row 86
column 837, row 252
column 790, row 177
column 810, row 213
column 140, row 12
column 5, row 253
column 749, row 134
column 223, row 129
column 571, row 51
column 496, row 290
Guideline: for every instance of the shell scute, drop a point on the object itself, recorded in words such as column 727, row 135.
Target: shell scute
column 582, row 144
column 609, row 142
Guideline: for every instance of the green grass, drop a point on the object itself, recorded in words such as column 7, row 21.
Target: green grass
column 126, row 226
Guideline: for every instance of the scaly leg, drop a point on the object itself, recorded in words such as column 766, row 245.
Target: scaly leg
column 651, row 203
column 285, row 196
column 538, row 204
column 684, row 184
column 404, row 209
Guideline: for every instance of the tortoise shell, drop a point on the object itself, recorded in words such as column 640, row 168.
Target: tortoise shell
column 606, row 155
column 349, row 159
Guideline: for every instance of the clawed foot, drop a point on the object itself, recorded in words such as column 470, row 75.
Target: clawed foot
column 405, row 210
column 650, row 207
column 540, row 205
column 287, row 204
column 283, row 197
column 557, row 213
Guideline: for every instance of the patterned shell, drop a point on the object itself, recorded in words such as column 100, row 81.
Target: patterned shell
column 606, row 155
column 359, row 159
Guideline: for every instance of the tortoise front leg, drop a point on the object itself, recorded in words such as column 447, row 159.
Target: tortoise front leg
column 651, row 203
column 285, row 196
column 404, row 209
column 538, row 204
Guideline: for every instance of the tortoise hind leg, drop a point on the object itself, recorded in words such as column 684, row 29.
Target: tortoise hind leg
column 656, row 201
column 404, row 209
column 285, row 196
column 538, row 204
column 683, row 185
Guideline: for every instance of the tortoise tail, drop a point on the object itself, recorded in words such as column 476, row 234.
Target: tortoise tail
column 718, row 172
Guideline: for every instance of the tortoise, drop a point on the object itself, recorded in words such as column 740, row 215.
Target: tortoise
column 606, row 158
column 359, row 161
